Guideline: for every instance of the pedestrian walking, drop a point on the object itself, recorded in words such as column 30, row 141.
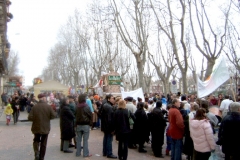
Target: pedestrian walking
column 4, row 98
column 40, row 115
column 15, row 107
column 8, row 111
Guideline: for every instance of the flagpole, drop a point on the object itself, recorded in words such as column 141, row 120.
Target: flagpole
column 231, row 86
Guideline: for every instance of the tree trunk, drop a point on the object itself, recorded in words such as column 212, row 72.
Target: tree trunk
column 75, row 80
column 210, row 64
column 140, row 65
column 86, row 76
column 194, row 76
column 184, row 82
column 165, row 87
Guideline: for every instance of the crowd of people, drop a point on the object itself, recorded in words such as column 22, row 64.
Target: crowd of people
column 185, row 120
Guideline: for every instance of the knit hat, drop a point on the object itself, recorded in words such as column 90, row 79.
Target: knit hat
column 96, row 97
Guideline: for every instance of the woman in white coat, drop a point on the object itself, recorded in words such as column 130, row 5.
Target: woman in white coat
column 202, row 135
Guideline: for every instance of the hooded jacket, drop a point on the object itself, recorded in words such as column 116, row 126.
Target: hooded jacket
column 202, row 135
column 8, row 110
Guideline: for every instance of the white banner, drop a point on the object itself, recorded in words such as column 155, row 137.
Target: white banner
column 219, row 75
column 135, row 94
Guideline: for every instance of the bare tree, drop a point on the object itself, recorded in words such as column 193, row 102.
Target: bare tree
column 13, row 62
column 135, row 33
column 174, row 27
column 132, row 76
column 102, row 46
column 148, row 75
column 163, row 61
column 122, row 62
column 213, row 40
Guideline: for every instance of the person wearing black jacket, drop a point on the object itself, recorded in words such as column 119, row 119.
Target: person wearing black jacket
column 122, row 129
column 157, row 125
column 140, row 127
column 107, row 126
column 22, row 102
column 15, row 107
column 66, row 125
column 229, row 131
column 83, row 122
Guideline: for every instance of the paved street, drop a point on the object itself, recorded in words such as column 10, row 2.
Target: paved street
column 16, row 143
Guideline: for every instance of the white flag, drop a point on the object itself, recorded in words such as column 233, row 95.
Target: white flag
column 219, row 75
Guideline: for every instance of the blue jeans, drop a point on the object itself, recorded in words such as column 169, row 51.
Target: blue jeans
column 82, row 132
column 107, row 144
column 169, row 143
column 176, row 149
column 98, row 123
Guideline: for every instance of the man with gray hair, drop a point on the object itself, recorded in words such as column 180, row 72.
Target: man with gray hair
column 229, row 132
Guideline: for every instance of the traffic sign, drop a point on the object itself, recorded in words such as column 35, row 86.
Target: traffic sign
column 174, row 86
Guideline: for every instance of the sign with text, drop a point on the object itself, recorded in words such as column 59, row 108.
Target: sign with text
column 114, row 80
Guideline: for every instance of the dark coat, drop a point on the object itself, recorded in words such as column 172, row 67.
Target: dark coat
column 188, row 142
column 107, row 118
column 14, row 105
column 121, row 123
column 83, row 114
column 157, row 125
column 66, row 123
column 140, row 127
column 156, row 121
column 229, row 132
column 23, row 101
column 40, row 115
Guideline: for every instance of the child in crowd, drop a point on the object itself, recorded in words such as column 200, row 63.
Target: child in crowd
column 8, row 111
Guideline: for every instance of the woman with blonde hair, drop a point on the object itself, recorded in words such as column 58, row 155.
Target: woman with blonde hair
column 202, row 135
column 122, row 128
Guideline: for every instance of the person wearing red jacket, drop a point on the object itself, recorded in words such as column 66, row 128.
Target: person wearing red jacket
column 176, row 130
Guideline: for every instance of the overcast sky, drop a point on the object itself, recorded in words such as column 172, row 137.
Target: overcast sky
column 33, row 31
